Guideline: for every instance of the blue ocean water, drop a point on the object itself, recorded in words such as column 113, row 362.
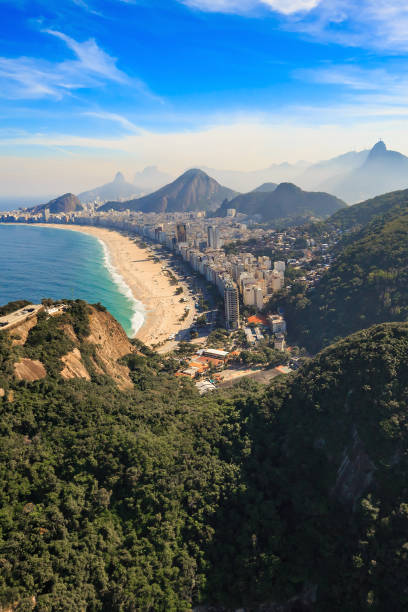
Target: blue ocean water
column 38, row 262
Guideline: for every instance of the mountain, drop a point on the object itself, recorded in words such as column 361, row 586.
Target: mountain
column 193, row 190
column 319, row 175
column 244, row 181
column 366, row 284
column 116, row 190
column 63, row 204
column 266, row 187
column 151, row 179
column 287, row 201
column 122, row 489
column 382, row 171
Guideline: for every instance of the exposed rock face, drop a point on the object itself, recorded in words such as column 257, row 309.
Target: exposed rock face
column 110, row 342
column 193, row 190
column 29, row 369
column 73, row 366
column 355, row 473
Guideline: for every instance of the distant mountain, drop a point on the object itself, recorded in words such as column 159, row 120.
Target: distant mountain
column 64, row 204
column 266, row 187
column 316, row 175
column 116, row 190
column 368, row 281
column 382, row 171
column 193, row 190
column 287, row 201
column 151, row 178
column 244, row 181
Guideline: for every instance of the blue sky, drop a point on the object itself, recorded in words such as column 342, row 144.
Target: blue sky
column 91, row 86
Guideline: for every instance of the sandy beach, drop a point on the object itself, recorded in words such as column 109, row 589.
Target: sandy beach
column 148, row 283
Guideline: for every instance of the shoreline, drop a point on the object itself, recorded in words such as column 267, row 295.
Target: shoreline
column 149, row 285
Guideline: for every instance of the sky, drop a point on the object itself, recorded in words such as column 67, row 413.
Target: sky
column 90, row 87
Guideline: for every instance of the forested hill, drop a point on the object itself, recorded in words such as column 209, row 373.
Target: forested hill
column 149, row 497
column 367, row 284
column 359, row 215
column 285, row 202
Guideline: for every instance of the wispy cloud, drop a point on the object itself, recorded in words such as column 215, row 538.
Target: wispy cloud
column 286, row 7
column 375, row 24
column 381, row 24
column 353, row 77
column 30, row 78
column 122, row 121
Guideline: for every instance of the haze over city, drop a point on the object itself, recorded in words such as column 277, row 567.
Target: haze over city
column 89, row 88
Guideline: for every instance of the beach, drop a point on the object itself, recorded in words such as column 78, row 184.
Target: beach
column 149, row 284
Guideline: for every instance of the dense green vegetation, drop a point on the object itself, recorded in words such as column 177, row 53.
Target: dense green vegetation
column 159, row 499
column 361, row 214
column 367, row 283
column 12, row 306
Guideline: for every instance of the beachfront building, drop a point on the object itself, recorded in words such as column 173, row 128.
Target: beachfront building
column 181, row 232
column 231, row 301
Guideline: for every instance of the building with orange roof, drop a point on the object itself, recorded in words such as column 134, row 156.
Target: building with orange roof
column 258, row 320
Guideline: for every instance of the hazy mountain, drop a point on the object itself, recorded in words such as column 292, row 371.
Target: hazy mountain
column 266, row 187
column 316, row 175
column 63, row 204
column 247, row 181
column 287, row 201
column 381, row 172
column 193, row 190
column 116, row 190
column 151, row 178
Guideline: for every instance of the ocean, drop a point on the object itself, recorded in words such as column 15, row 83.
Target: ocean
column 40, row 262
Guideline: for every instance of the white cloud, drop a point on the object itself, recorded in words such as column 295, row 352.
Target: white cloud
column 379, row 24
column 28, row 77
column 286, row 7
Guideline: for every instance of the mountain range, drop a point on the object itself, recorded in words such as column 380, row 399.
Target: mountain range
column 352, row 177
column 193, row 190
column 283, row 202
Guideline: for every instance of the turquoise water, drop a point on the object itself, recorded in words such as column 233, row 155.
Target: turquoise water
column 38, row 262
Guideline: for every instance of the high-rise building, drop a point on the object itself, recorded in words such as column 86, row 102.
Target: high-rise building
column 181, row 232
column 210, row 233
column 231, row 300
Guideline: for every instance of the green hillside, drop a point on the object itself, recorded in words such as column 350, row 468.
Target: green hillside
column 154, row 498
column 286, row 202
column 366, row 284
column 363, row 213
